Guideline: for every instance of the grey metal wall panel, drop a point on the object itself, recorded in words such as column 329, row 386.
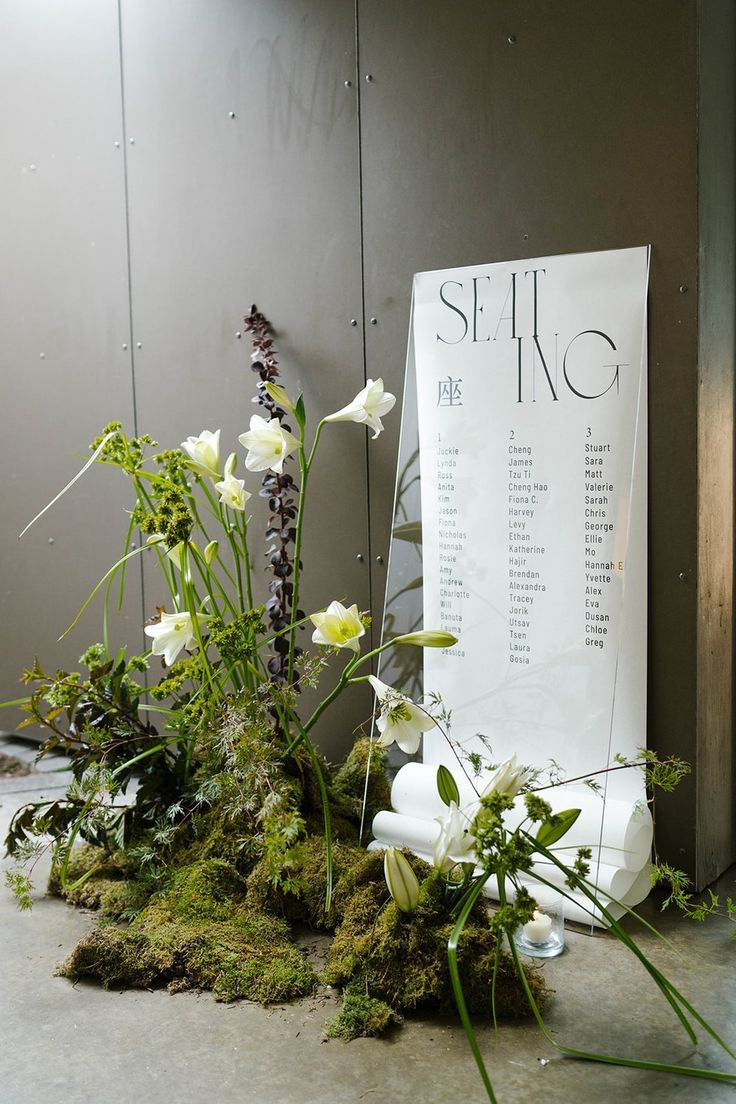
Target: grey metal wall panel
column 519, row 129
column 64, row 320
column 243, row 186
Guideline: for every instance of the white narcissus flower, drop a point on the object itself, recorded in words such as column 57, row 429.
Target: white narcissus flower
column 402, row 882
column 173, row 632
column 400, row 720
column 268, row 444
column 232, row 492
column 508, row 779
column 367, row 408
column 338, row 627
column 455, row 843
column 204, row 453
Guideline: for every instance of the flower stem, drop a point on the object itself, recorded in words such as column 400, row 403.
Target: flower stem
column 305, row 464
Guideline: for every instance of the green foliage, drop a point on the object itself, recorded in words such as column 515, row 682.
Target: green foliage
column 447, row 786
column 21, row 887
column 659, row 773
column 555, row 825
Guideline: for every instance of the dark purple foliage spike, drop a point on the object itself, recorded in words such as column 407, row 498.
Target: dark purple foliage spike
column 280, row 491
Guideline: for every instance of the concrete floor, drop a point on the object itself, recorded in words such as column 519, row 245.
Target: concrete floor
column 77, row 1044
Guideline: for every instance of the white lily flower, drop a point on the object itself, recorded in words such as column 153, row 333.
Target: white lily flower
column 268, row 444
column 455, row 843
column 204, row 453
column 508, row 779
column 338, row 627
column 400, row 720
column 173, row 632
column 232, row 492
column 367, row 408
column 402, row 882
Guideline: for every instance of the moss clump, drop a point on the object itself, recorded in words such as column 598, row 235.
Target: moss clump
column 307, row 905
column 361, row 1016
column 402, row 960
column 349, row 782
column 96, row 879
column 198, row 933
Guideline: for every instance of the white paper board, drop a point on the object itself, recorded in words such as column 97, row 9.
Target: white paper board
column 531, row 387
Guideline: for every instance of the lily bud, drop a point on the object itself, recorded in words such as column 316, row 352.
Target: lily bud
column 210, row 552
column 428, row 638
column 401, row 880
column 276, row 392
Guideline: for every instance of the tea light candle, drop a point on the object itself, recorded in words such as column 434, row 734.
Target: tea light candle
column 538, row 929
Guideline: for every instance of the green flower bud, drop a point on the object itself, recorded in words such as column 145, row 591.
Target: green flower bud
column 429, row 638
column 401, row 880
column 276, row 392
column 210, row 552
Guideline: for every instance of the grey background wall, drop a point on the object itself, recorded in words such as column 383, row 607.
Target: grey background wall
column 165, row 164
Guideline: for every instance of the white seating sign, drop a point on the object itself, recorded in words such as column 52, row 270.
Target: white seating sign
column 531, row 392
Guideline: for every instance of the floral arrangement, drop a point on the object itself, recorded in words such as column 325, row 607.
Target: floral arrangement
column 210, row 828
column 475, row 843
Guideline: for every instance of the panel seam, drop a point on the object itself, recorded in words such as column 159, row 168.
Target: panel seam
column 129, row 271
column 361, row 227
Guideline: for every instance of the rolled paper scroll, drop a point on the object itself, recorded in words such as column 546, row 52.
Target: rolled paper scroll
column 396, row 830
column 577, row 907
column 618, row 832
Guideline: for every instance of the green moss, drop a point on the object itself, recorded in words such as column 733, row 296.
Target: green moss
column 349, row 782
column 198, row 933
column 402, row 960
column 110, row 883
column 234, row 876
column 361, row 1016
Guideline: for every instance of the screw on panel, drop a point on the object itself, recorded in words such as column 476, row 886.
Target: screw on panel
column 42, row 356
column 511, row 40
column 238, row 334
column 379, row 559
column 231, row 114
column 359, row 557
column 353, row 321
column 683, row 576
column 525, row 237
column 369, row 77
column 125, row 347
column 374, row 321
column 117, row 145
column 683, row 289
column 51, row 540
column 138, row 345
column 132, row 141
column 348, row 84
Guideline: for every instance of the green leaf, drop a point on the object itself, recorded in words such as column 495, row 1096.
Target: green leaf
column 556, row 828
column 300, row 412
column 447, row 786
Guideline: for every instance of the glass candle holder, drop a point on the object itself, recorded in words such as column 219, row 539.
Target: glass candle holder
column 544, row 935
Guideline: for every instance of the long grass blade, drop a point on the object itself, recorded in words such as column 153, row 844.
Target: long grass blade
column 71, row 482
column 103, row 580
column 457, row 988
